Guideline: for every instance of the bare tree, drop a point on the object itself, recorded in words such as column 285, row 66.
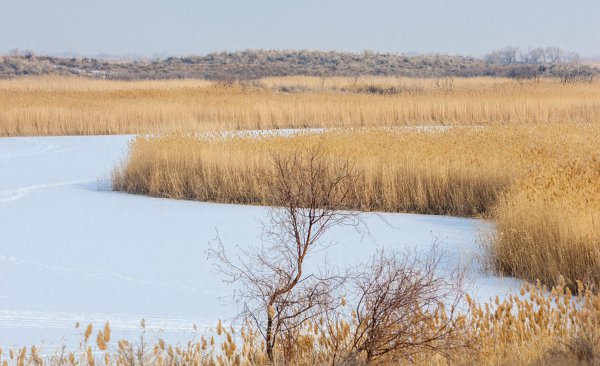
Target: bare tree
column 534, row 56
column 278, row 292
column 553, row 55
column 572, row 58
column 405, row 306
column 506, row 56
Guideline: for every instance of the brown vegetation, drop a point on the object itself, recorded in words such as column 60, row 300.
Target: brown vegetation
column 404, row 307
column 58, row 106
column 253, row 64
column 274, row 279
column 522, row 151
column 549, row 220
column 394, row 298
column 535, row 327
column 540, row 184
column 433, row 172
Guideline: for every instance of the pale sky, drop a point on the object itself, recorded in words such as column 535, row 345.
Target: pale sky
column 181, row 27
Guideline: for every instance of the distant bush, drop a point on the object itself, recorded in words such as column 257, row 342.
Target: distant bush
column 381, row 89
column 254, row 64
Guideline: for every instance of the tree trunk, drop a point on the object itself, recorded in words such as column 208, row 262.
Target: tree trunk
column 269, row 337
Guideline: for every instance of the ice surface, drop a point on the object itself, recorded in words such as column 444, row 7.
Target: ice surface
column 72, row 251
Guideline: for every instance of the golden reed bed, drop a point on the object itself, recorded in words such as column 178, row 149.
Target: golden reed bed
column 72, row 106
column 541, row 184
column 535, row 327
column 534, row 169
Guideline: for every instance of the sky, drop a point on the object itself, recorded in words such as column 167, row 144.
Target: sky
column 185, row 27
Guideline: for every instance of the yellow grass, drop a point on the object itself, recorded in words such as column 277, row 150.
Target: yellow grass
column 541, row 184
column 535, row 327
column 425, row 172
column 549, row 222
column 71, row 106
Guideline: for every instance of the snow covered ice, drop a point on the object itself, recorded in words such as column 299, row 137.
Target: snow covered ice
column 73, row 251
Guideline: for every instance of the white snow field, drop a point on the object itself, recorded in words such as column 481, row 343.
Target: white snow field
column 73, row 251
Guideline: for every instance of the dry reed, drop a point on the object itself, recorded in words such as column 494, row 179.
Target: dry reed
column 549, row 222
column 535, row 327
column 541, row 184
column 399, row 171
column 73, row 106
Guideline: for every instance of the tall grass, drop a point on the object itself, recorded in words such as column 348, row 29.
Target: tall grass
column 415, row 171
column 72, row 106
column 549, row 222
column 541, row 184
column 535, row 327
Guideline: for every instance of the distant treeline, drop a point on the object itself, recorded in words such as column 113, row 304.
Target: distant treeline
column 253, row 64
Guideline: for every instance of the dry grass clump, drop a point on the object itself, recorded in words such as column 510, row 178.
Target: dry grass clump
column 539, row 327
column 535, row 327
column 549, row 219
column 72, row 106
column 458, row 172
column 549, row 222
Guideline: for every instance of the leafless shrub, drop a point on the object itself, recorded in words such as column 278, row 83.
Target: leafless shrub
column 381, row 89
column 293, row 89
column 279, row 294
column 573, row 73
column 241, row 84
column 405, row 306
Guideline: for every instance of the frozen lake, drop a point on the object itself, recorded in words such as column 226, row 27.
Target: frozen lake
column 72, row 251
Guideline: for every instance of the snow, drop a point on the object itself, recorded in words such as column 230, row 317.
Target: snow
column 73, row 251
